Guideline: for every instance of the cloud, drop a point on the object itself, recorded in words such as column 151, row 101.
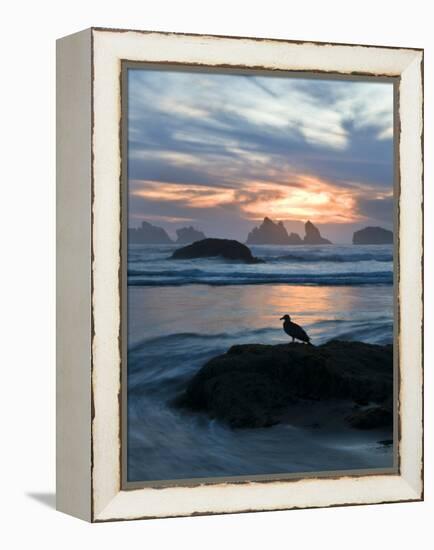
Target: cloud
column 378, row 208
column 303, row 197
column 193, row 196
column 258, row 145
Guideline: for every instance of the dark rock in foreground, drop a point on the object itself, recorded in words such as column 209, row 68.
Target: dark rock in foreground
column 187, row 235
column 254, row 385
column 373, row 235
column 148, row 234
column 372, row 417
column 211, row 248
column 313, row 236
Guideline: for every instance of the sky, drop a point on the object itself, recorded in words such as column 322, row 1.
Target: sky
column 222, row 151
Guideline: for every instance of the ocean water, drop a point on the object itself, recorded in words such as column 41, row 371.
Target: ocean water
column 181, row 313
column 321, row 265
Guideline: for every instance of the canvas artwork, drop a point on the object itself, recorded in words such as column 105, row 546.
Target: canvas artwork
column 259, row 258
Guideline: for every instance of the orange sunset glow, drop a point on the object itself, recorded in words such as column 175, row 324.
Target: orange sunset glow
column 310, row 198
column 224, row 151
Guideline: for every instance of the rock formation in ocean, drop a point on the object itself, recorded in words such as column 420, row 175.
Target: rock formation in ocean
column 257, row 385
column 270, row 232
column 313, row 236
column 222, row 248
column 187, row 235
column 367, row 418
column 148, row 234
column 294, row 238
column 373, row 235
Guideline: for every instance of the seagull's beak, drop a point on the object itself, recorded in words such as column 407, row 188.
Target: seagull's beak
column 281, row 319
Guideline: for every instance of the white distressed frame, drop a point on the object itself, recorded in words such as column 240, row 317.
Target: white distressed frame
column 107, row 500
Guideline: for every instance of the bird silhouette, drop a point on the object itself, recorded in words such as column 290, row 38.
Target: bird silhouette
column 294, row 330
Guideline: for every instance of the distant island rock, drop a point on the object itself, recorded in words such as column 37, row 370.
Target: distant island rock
column 270, row 232
column 148, row 234
column 313, row 236
column 373, row 235
column 187, row 235
column 257, row 385
column 294, row 238
column 213, row 248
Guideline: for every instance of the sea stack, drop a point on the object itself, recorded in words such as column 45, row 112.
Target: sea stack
column 148, row 234
column 373, row 235
column 270, row 232
column 187, row 235
column 216, row 248
column 313, row 236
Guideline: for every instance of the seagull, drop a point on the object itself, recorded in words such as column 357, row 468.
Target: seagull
column 294, row 330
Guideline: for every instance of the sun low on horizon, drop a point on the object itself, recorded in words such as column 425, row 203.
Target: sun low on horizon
column 223, row 151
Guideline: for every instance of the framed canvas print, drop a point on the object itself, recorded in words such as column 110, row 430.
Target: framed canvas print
column 239, row 259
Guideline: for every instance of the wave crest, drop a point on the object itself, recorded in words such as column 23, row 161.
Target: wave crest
column 187, row 277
